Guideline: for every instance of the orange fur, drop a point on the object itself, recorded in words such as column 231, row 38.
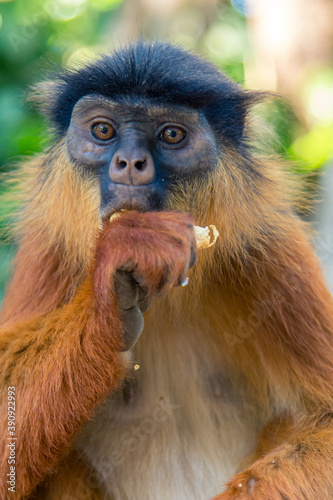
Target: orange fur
column 74, row 480
column 259, row 290
column 300, row 467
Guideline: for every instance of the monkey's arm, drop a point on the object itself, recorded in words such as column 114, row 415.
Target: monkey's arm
column 66, row 362
column 293, row 336
column 60, row 367
column 301, row 468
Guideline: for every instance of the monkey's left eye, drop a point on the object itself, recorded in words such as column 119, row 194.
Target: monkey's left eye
column 172, row 135
column 103, row 131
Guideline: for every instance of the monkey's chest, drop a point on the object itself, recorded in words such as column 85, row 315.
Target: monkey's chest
column 177, row 429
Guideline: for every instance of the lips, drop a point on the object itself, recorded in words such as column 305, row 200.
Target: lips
column 123, row 197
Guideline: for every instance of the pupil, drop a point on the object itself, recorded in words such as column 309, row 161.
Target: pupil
column 104, row 129
column 173, row 134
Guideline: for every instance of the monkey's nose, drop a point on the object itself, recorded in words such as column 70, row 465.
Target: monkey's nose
column 132, row 169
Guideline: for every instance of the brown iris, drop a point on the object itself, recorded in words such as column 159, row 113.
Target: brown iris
column 103, row 131
column 173, row 135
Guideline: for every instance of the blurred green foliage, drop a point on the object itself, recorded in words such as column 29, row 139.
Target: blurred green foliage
column 37, row 35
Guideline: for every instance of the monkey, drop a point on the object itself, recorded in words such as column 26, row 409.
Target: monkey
column 122, row 383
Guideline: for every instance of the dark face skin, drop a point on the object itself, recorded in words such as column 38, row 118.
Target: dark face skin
column 139, row 150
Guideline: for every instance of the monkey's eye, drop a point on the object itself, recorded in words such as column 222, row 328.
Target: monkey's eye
column 172, row 135
column 103, row 131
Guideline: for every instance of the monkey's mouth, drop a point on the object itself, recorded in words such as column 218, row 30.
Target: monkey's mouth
column 123, row 207
column 140, row 198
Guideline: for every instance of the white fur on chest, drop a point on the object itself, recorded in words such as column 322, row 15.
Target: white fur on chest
column 178, row 431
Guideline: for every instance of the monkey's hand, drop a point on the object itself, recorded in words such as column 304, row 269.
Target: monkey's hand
column 142, row 255
column 299, row 469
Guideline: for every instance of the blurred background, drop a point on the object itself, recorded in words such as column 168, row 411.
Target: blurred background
column 281, row 45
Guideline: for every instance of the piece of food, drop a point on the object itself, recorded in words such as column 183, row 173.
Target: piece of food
column 116, row 214
column 206, row 236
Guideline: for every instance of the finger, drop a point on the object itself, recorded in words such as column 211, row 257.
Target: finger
column 183, row 277
column 144, row 300
column 126, row 289
column 194, row 250
column 133, row 324
column 194, row 257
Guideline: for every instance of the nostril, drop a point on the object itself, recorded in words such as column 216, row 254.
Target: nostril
column 122, row 164
column 139, row 165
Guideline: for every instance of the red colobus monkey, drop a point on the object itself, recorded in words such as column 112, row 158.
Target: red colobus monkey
column 234, row 394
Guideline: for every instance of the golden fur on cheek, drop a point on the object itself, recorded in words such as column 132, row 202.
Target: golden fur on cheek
column 57, row 233
column 69, row 214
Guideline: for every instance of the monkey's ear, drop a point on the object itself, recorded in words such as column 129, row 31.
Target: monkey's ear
column 229, row 112
column 44, row 95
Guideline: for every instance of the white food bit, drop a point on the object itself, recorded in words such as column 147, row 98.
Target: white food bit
column 185, row 282
column 114, row 216
column 206, row 236
column 136, row 367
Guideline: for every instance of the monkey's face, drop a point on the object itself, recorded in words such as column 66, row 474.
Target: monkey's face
column 139, row 151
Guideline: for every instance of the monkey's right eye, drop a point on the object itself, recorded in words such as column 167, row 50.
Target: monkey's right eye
column 103, row 131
